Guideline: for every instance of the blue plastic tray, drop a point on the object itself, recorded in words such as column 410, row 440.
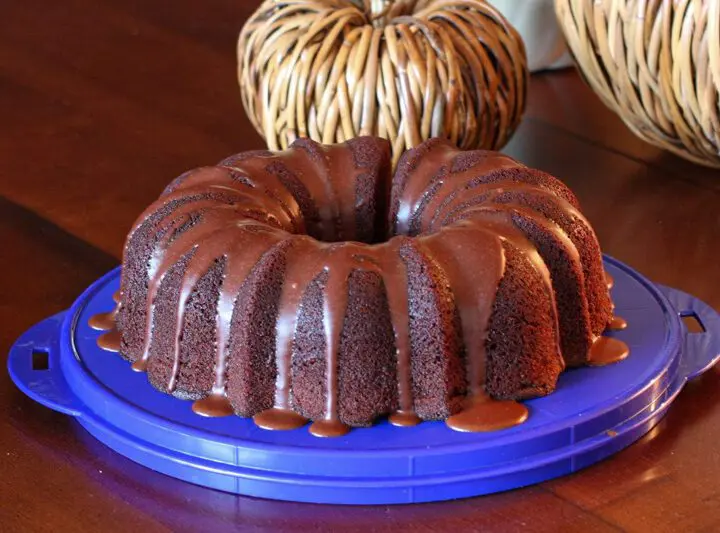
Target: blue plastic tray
column 594, row 413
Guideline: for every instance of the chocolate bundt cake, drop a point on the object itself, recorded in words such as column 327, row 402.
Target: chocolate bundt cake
column 312, row 284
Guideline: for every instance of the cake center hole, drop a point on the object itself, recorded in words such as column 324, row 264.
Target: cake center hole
column 365, row 231
column 364, row 221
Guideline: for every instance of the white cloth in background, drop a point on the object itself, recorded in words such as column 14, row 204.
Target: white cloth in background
column 538, row 26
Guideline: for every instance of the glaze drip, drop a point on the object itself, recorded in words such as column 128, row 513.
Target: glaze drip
column 329, row 428
column 404, row 418
column 110, row 340
column 103, row 321
column 139, row 366
column 279, row 419
column 334, row 309
column 483, row 414
column 609, row 281
column 617, row 323
column 215, row 405
column 607, row 350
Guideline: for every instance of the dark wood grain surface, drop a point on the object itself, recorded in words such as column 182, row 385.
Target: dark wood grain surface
column 103, row 102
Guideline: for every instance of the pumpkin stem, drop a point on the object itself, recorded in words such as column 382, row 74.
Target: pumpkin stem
column 381, row 12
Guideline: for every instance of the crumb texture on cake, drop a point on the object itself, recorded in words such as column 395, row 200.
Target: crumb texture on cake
column 315, row 284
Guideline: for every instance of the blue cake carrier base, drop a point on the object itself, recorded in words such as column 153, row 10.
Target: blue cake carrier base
column 593, row 413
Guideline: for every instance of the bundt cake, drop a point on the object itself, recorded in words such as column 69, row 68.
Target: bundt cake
column 311, row 284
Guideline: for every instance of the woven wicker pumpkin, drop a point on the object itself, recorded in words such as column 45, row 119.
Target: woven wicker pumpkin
column 403, row 70
column 657, row 64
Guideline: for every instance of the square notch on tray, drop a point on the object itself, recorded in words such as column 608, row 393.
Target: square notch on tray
column 692, row 322
column 40, row 360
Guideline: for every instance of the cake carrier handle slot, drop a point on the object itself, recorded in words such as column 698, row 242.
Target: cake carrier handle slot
column 700, row 350
column 34, row 366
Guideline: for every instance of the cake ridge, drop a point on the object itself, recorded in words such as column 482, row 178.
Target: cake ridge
column 566, row 321
column 474, row 286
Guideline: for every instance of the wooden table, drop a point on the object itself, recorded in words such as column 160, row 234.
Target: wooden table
column 103, row 102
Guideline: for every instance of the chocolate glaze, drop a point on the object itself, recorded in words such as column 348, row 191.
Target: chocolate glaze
column 110, row 340
column 607, row 350
column 609, row 280
column 329, row 428
column 617, row 323
column 404, row 418
column 238, row 211
column 139, row 366
column 435, row 166
column 485, row 414
column 103, row 321
column 213, row 406
column 279, row 419
column 106, row 321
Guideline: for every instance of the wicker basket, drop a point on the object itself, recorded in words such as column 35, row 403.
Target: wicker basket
column 656, row 63
column 405, row 70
